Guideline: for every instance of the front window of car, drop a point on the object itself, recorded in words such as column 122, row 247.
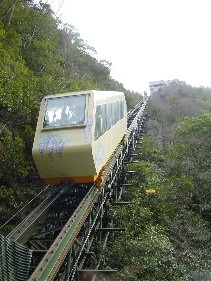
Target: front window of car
column 65, row 111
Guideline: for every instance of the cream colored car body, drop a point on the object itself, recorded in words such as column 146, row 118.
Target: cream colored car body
column 77, row 149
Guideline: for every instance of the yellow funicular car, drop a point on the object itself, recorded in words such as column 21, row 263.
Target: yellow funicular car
column 77, row 133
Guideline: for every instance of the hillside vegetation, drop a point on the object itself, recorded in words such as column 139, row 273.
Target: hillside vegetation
column 38, row 56
column 168, row 233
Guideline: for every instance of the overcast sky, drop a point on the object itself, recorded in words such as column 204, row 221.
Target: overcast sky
column 145, row 40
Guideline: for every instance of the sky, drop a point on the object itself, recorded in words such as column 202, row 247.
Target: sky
column 145, row 40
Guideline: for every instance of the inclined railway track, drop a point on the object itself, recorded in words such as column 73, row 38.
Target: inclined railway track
column 59, row 235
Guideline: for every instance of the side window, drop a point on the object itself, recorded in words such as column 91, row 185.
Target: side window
column 100, row 120
column 115, row 112
column 107, row 115
column 104, row 119
column 122, row 109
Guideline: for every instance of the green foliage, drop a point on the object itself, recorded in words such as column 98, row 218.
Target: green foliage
column 8, row 204
column 150, row 256
column 38, row 56
column 190, row 156
column 179, row 100
column 167, row 234
column 150, row 150
column 13, row 165
column 164, row 238
column 7, row 199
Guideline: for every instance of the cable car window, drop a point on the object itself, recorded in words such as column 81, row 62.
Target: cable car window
column 122, row 109
column 107, row 115
column 115, row 112
column 100, row 120
column 64, row 111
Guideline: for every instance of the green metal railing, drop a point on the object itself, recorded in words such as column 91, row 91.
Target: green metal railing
column 14, row 260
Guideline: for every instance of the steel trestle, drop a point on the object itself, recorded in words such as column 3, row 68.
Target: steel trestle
column 64, row 232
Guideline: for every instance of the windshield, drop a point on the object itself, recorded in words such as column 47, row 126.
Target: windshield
column 69, row 110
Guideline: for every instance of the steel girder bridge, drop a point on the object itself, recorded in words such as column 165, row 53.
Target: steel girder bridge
column 59, row 240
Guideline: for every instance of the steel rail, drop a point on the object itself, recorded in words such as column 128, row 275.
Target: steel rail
column 24, row 230
column 55, row 256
